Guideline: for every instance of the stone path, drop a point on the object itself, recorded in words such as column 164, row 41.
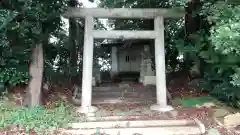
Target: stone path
column 139, row 113
column 136, row 106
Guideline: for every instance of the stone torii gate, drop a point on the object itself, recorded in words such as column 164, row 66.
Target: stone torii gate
column 157, row 34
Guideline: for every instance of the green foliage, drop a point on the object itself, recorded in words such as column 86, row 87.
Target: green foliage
column 220, row 51
column 9, row 75
column 225, row 34
column 219, row 87
column 13, row 77
column 23, row 25
column 6, row 17
column 39, row 119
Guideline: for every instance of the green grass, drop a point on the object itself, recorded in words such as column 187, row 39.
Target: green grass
column 38, row 119
column 192, row 102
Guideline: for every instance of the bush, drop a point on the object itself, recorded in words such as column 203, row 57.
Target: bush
column 39, row 119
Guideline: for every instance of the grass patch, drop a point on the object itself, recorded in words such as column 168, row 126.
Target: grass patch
column 192, row 102
column 40, row 119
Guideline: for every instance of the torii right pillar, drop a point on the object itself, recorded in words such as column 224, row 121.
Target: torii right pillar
column 161, row 88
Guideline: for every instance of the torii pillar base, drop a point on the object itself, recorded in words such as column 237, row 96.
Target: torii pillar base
column 159, row 108
column 87, row 110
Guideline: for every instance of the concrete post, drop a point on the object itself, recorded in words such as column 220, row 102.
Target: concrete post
column 86, row 106
column 160, row 67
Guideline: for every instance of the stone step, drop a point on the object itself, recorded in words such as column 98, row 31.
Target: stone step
column 143, row 127
column 112, row 88
column 118, row 89
column 132, row 124
column 123, row 118
column 119, row 93
column 184, row 130
column 104, row 100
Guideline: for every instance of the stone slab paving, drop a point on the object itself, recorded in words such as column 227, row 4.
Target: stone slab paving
column 213, row 131
column 138, row 131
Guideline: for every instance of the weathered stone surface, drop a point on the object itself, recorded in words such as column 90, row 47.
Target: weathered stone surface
column 213, row 131
column 176, row 101
column 232, row 120
column 237, row 129
column 148, row 13
column 220, row 113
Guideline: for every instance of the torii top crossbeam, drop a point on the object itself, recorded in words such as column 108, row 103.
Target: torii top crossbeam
column 131, row 13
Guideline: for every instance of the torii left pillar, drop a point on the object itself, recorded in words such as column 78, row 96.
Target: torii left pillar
column 86, row 104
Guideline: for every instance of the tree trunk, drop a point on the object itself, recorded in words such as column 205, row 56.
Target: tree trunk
column 80, row 38
column 34, row 90
column 193, row 23
column 72, row 42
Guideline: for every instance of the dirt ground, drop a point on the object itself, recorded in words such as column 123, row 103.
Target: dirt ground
column 178, row 88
